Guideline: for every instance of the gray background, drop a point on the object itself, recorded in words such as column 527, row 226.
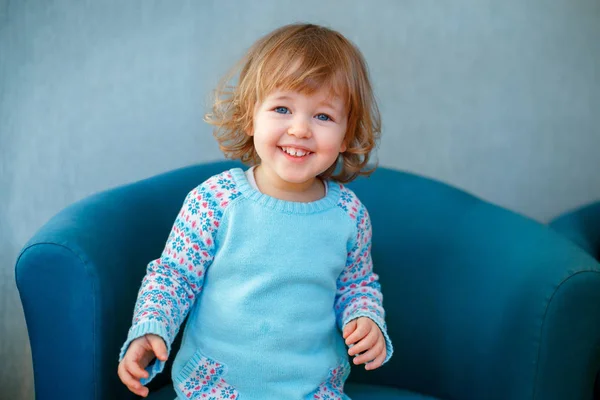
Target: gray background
column 495, row 97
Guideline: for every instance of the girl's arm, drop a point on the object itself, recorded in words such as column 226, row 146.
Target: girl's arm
column 173, row 281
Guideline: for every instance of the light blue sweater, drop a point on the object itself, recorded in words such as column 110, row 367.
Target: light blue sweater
column 268, row 285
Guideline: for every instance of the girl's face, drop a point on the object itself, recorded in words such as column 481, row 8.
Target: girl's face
column 298, row 136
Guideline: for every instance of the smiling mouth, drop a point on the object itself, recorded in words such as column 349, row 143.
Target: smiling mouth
column 294, row 152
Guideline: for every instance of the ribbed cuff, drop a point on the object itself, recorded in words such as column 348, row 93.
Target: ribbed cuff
column 139, row 330
column 389, row 349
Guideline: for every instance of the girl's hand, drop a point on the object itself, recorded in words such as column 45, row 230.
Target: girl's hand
column 139, row 354
column 367, row 340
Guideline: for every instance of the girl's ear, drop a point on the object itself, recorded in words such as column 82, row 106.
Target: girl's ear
column 343, row 147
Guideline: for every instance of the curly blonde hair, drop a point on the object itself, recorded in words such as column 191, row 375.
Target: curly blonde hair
column 303, row 58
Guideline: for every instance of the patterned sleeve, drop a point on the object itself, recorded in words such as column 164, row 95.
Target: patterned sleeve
column 358, row 290
column 173, row 281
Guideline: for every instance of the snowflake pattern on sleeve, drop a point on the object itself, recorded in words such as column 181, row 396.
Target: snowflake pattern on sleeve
column 358, row 289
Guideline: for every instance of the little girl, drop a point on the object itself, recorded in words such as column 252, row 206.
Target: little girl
column 273, row 264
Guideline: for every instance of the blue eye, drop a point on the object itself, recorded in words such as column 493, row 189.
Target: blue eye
column 282, row 110
column 323, row 117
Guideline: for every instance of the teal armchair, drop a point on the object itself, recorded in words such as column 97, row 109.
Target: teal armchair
column 481, row 302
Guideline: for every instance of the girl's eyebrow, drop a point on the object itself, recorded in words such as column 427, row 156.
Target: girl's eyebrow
column 327, row 103
column 281, row 97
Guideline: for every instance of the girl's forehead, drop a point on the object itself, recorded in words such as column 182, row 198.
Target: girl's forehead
column 305, row 76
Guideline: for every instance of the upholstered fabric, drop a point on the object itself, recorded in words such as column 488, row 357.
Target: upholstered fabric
column 582, row 226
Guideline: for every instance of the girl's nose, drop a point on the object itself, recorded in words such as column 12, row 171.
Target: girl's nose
column 300, row 128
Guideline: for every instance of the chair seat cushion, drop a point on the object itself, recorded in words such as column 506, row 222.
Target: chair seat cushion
column 354, row 390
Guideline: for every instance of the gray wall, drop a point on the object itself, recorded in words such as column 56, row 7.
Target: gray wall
column 495, row 97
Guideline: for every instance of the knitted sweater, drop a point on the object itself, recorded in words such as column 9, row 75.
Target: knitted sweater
column 268, row 284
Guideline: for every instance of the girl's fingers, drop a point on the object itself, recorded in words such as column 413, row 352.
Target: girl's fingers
column 136, row 371
column 377, row 362
column 143, row 391
column 349, row 328
column 158, row 347
column 131, row 368
column 132, row 384
column 371, row 354
column 362, row 330
column 365, row 344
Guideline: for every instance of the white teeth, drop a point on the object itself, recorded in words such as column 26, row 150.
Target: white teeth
column 295, row 152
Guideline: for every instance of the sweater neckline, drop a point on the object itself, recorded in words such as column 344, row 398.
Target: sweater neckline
column 292, row 207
